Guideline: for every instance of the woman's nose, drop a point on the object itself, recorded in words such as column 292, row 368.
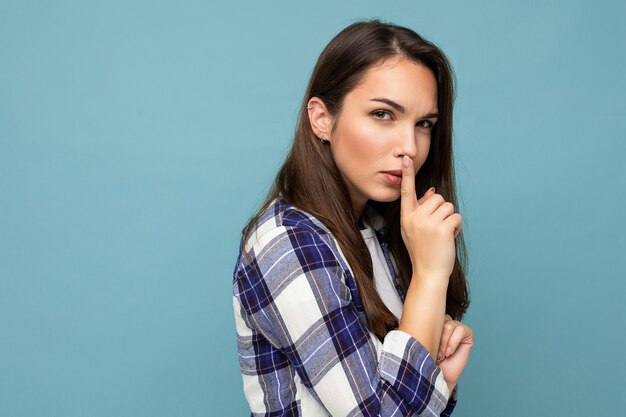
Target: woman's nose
column 408, row 143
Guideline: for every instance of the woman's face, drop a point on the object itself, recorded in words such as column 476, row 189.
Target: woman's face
column 388, row 115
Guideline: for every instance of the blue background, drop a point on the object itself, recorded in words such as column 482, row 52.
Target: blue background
column 137, row 137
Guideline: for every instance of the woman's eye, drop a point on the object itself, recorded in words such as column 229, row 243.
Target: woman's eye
column 382, row 115
column 425, row 123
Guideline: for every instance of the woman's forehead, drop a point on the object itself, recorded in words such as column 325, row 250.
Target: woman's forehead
column 402, row 81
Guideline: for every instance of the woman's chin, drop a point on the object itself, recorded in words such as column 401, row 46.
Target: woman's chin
column 387, row 197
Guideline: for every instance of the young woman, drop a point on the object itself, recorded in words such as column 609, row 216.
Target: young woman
column 348, row 287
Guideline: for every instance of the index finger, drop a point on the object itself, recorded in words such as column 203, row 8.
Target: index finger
column 408, row 201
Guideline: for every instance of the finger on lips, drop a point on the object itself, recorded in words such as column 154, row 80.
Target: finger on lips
column 407, row 188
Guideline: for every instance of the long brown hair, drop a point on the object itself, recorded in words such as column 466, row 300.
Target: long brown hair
column 309, row 174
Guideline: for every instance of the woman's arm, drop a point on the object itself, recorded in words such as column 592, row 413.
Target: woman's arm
column 300, row 299
column 429, row 226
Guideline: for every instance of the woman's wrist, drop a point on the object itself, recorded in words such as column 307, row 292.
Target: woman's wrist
column 432, row 286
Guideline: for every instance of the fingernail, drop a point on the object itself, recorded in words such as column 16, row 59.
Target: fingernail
column 449, row 351
column 405, row 161
column 431, row 189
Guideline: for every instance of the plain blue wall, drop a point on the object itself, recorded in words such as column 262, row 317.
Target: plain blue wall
column 137, row 137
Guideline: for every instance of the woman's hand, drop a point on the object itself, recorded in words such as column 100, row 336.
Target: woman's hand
column 454, row 349
column 428, row 226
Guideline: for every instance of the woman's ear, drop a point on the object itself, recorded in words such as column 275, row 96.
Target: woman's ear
column 320, row 119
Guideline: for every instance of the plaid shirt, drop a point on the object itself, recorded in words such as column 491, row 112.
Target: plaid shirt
column 304, row 345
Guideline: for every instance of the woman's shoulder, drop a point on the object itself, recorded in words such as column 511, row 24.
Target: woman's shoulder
column 280, row 220
column 284, row 243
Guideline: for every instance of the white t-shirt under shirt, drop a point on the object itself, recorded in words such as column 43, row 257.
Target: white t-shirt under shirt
column 382, row 276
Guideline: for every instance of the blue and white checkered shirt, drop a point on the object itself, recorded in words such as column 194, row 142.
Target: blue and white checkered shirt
column 304, row 345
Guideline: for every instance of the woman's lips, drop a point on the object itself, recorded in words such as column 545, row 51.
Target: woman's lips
column 393, row 177
column 396, row 172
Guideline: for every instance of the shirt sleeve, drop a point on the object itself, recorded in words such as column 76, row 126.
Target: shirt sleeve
column 295, row 295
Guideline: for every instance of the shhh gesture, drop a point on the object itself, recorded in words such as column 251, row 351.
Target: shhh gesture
column 429, row 227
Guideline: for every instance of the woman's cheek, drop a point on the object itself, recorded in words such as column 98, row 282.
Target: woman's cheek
column 368, row 138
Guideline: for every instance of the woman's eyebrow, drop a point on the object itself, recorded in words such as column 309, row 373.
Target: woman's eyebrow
column 391, row 103
column 399, row 107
